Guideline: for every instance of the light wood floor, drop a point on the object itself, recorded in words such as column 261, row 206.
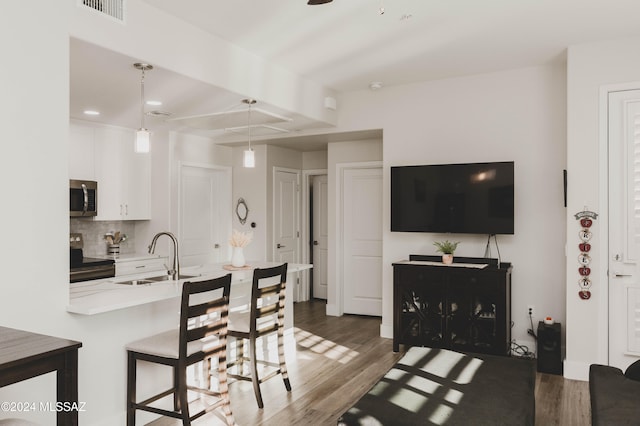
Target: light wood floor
column 335, row 360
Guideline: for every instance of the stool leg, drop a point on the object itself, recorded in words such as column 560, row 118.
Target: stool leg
column 176, row 381
column 240, row 355
column 224, row 386
column 182, row 391
column 253, row 362
column 281, row 360
column 131, row 389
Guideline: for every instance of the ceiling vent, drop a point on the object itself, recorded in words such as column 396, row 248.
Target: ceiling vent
column 111, row 8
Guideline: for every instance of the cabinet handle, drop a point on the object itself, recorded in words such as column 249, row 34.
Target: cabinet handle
column 280, row 246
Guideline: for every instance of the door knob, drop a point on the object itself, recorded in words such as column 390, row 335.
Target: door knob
column 216, row 246
column 280, row 246
column 315, row 243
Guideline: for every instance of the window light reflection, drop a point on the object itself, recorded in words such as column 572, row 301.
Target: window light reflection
column 325, row 347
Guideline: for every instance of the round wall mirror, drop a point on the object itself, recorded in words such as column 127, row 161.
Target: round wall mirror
column 242, row 211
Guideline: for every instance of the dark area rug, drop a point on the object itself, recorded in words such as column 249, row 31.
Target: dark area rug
column 440, row 387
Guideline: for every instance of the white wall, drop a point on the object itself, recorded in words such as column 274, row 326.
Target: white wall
column 35, row 262
column 516, row 115
column 590, row 68
column 314, row 160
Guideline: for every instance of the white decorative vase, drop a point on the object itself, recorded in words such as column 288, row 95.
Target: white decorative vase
column 447, row 259
column 237, row 257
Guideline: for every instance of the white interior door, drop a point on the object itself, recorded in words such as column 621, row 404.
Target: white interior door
column 286, row 222
column 320, row 236
column 362, row 240
column 624, row 227
column 205, row 214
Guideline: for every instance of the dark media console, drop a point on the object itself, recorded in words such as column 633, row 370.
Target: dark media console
column 464, row 306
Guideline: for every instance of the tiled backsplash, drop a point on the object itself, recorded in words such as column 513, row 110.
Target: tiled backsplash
column 93, row 235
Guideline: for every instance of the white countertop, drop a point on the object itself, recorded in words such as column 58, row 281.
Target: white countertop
column 98, row 296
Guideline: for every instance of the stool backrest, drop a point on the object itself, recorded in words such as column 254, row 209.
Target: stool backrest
column 206, row 317
column 267, row 299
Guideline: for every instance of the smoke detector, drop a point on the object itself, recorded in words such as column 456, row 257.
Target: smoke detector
column 375, row 85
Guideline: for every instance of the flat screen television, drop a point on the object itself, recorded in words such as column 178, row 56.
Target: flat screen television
column 474, row 198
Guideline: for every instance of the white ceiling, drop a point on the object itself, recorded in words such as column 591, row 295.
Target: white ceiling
column 347, row 44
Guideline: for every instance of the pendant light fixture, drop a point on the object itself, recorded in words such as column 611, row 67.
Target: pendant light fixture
column 249, row 158
column 142, row 144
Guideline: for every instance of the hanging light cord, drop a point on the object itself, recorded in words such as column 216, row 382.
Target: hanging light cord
column 142, row 100
column 249, row 125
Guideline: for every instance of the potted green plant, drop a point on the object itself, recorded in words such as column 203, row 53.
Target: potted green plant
column 447, row 248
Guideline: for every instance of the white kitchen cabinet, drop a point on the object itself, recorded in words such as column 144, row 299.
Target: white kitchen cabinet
column 81, row 152
column 124, row 176
column 140, row 265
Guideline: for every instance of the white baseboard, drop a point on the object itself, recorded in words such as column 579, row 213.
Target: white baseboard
column 386, row 331
column 575, row 370
column 332, row 310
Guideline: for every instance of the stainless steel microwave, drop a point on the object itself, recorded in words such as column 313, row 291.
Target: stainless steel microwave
column 83, row 198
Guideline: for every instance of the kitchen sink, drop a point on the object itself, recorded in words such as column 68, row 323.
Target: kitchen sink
column 151, row 280
column 137, row 282
column 168, row 277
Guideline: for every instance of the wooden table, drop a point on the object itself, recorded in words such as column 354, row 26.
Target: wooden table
column 24, row 355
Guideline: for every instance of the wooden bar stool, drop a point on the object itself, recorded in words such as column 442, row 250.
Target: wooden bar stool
column 201, row 337
column 265, row 316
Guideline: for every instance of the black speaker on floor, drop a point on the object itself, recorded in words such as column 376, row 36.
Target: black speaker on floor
column 549, row 353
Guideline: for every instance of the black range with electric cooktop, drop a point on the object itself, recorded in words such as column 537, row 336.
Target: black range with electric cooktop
column 87, row 268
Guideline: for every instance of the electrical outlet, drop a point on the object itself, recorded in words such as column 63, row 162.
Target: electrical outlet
column 531, row 312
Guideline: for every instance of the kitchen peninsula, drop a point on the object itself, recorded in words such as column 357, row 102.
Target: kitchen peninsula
column 106, row 295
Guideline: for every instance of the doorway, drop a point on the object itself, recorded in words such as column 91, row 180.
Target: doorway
column 360, row 238
column 624, row 227
column 286, row 219
column 204, row 215
column 308, row 219
column 319, row 236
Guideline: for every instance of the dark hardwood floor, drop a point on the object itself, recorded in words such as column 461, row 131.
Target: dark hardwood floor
column 335, row 360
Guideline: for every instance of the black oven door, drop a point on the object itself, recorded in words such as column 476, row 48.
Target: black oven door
column 83, row 198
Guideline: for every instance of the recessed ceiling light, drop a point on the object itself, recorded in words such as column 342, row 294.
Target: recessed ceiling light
column 375, row 85
column 91, row 112
column 154, row 103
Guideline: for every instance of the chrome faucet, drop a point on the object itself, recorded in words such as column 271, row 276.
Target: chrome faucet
column 175, row 269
